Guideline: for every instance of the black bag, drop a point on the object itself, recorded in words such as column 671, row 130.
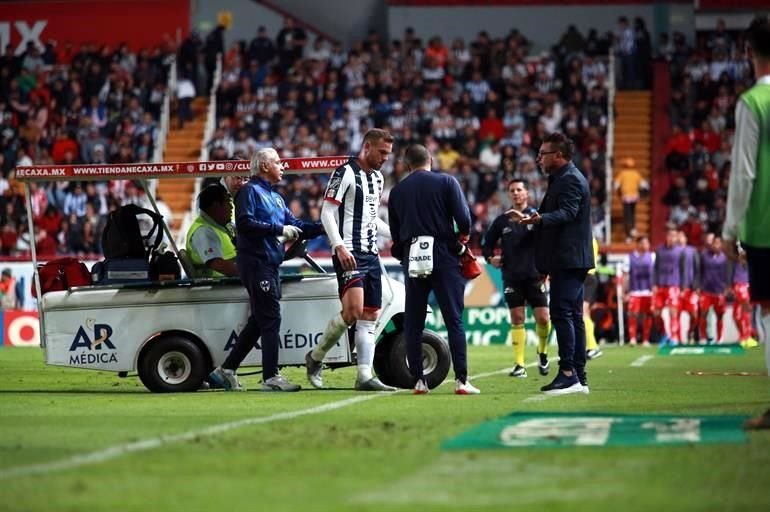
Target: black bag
column 165, row 266
column 122, row 238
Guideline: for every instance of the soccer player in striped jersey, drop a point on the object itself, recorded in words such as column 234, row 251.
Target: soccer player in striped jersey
column 349, row 215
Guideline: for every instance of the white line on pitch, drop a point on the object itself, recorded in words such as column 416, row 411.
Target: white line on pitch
column 119, row 450
column 641, row 360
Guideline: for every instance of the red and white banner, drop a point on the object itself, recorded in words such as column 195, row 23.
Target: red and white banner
column 106, row 172
column 20, row 328
column 139, row 23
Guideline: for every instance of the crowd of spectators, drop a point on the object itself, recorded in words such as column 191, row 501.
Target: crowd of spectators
column 481, row 106
column 707, row 78
column 65, row 105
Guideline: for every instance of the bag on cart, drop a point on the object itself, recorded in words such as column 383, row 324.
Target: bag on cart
column 122, row 237
column 61, row 274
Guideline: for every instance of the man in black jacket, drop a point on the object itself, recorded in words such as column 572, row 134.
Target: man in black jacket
column 563, row 250
column 421, row 212
column 523, row 284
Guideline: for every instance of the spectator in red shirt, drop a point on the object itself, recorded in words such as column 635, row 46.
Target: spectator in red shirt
column 61, row 145
column 678, row 149
column 711, row 139
column 491, row 126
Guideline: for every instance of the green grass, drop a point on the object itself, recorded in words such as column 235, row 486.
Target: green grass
column 380, row 454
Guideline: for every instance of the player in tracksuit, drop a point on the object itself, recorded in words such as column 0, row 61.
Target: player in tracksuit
column 668, row 281
column 713, row 287
column 421, row 211
column 689, row 295
column 523, row 284
column 261, row 217
column 739, row 277
column 640, row 273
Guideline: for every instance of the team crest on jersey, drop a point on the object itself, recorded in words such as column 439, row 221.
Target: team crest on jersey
column 334, row 185
column 265, row 285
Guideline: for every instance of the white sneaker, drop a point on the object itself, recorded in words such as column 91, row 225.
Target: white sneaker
column 421, row 388
column 584, row 389
column 465, row 388
column 226, row 379
column 279, row 383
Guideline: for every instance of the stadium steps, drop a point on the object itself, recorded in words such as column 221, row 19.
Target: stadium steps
column 182, row 146
column 633, row 138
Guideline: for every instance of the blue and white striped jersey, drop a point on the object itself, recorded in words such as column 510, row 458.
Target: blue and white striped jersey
column 357, row 194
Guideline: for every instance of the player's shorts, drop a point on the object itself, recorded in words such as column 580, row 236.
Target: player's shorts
column 666, row 296
column 367, row 275
column 640, row 304
column 688, row 299
column 589, row 288
column 759, row 273
column 717, row 301
column 530, row 291
column 741, row 293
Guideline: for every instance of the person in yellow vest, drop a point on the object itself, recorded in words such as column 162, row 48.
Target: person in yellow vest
column 211, row 239
column 629, row 184
column 233, row 184
column 589, row 297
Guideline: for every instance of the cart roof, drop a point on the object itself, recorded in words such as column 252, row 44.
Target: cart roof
column 105, row 172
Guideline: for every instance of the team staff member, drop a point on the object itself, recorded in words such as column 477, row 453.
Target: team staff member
column 563, row 251
column 523, row 284
column 748, row 193
column 261, row 217
column 422, row 209
column 211, row 240
column 349, row 216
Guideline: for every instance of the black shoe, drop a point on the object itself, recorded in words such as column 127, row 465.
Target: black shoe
column 544, row 365
column 519, row 371
column 563, row 385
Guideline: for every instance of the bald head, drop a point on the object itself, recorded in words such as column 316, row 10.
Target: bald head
column 417, row 157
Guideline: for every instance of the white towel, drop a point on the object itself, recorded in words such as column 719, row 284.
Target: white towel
column 421, row 256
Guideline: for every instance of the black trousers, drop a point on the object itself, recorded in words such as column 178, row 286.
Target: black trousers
column 566, row 310
column 264, row 287
column 448, row 285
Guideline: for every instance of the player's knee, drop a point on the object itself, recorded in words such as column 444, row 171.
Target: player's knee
column 517, row 318
column 352, row 314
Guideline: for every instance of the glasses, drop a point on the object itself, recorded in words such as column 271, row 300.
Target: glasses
column 543, row 153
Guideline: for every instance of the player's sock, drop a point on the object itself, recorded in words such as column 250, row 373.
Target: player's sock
column 519, row 338
column 590, row 336
column 365, row 349
column 331, row 335
column 542, row 336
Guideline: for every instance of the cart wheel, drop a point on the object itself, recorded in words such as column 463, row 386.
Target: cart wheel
column 436, row 360
column 382, row 360
column 172, row 364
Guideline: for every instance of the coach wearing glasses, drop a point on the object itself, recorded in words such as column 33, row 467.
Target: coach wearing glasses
column 563, row 250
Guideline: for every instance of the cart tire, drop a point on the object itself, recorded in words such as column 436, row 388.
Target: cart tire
column 382, row 360
column 435, row 356
column 172, row 364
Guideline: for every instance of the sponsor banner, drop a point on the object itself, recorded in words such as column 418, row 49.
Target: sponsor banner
column 140, row 24
column 559, row 430
column 20, row 328
column 170, row 169
column 485, row 326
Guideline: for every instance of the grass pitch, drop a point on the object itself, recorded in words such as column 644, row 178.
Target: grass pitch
column 78, row 440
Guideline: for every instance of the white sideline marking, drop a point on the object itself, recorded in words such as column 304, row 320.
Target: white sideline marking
column 148, row 444
column 641, row 360
column 118, row 450
column 537, row 398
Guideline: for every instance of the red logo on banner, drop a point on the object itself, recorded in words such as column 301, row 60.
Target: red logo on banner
column 21, row 329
